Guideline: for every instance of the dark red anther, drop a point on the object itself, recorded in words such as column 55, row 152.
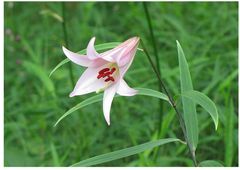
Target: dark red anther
column 103, row 71
column 100, row 76
column 113, row 69
column 106, row 73
column 109, row 79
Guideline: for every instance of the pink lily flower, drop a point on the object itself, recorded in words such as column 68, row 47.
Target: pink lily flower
column 105, row 71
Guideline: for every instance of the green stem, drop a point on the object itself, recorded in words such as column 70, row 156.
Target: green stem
column 157, row 62
column 180, row 118
column 64, row 27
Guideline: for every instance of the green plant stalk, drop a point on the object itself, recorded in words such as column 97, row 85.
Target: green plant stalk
column 64, row 27
column 180, row 118
column 157, row 62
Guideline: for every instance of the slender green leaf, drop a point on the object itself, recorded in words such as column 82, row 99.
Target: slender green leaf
column 229, row 134
column 40, row 73
column 51, row 14
column 228, row 80
column 104, row 46
column 189, row 108
column 124, row 152
column 97, row 98
column 210, row 163
column 84, row 103
column 66, row 60
column 205, row 102
column 30, row 51
column 55, row 156
column 152, row 93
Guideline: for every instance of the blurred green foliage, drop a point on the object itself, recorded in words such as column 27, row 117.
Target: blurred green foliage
column 208, row 32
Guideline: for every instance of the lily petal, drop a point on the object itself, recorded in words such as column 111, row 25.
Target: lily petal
column 77, row 58
column 88, row 82
column 83, row 60
column 115, row 54
column 111, row 55
column 107, row 101
column 124, row 68
column 128, row 54
column 91, row 52
column 125, row 90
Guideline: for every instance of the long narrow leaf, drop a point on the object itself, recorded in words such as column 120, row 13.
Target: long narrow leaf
column 52, row 14
column 104, row 46
column 55, row 155
column 210, row 163
column 40, row 73
column 124, row 152
column 229, row 134
column 205, row 102
column 84, row 103
column 189, row 108
column 97, row 98
column 152, row 93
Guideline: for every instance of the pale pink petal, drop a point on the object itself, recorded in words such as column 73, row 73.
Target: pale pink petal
column 128, row 55
column 107, row 101
column 82, row 59
column 77, row 58
column 116, row 48
column 111, row 55
column 115, row 54
column 125, row 90
column 91, row 52
column 119, row 46
column 123, row 69
column 88, row 82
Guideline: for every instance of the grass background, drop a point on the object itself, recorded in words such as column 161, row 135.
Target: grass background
column 208, row 33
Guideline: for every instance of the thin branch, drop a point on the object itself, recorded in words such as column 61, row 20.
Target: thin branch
column 180, row 118
column 156, row 60
column 64, row 27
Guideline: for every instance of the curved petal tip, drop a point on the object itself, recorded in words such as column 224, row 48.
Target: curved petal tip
column 92, row 54
column 107, row 118
column 71, row 94
column 64, row 49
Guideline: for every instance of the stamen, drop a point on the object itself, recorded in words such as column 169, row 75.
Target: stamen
column 106, row 73
column 99, row 76
column 109, row 78
column 103, row 70
column 113, row 69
